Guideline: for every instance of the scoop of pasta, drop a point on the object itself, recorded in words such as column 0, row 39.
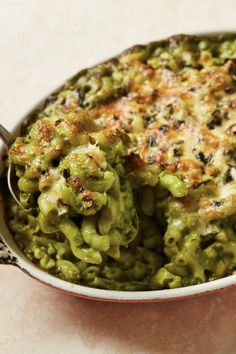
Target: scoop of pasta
column 81, row 196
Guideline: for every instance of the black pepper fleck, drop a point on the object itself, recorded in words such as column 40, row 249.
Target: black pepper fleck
column 228, row 176
column 66, row 173
column 217, row 203
column 177, row 152
column 151, row 141
column 81, row 95
column 164, row 128
column 229, row 89
column 178, row 123
column 122, row 91
column 192, row 89
column 231, row 129
column 58, row 121
column 149, row 118
column 205, row 159
column 154, row 94
column 215, row 121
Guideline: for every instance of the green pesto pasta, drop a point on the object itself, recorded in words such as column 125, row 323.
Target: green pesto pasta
column 129, row 170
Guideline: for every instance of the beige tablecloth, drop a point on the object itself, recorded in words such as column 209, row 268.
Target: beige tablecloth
column 42, row 43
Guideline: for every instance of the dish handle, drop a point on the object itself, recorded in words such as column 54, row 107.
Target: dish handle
column 6, row 257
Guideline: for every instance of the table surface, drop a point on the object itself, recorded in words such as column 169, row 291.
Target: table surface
column 41, row 44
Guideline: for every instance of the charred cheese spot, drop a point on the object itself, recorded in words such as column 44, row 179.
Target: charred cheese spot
column 44, row 133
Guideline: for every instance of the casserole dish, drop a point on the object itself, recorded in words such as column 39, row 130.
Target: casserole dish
column 12, row 255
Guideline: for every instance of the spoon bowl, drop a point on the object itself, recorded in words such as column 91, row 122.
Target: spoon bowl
column 7, row 139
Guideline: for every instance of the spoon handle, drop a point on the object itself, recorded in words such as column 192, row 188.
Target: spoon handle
column 5, row 136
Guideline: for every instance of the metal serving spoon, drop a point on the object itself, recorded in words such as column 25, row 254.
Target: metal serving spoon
column 7, row 138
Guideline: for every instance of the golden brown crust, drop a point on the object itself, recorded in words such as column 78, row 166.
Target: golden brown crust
column 189, row 112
